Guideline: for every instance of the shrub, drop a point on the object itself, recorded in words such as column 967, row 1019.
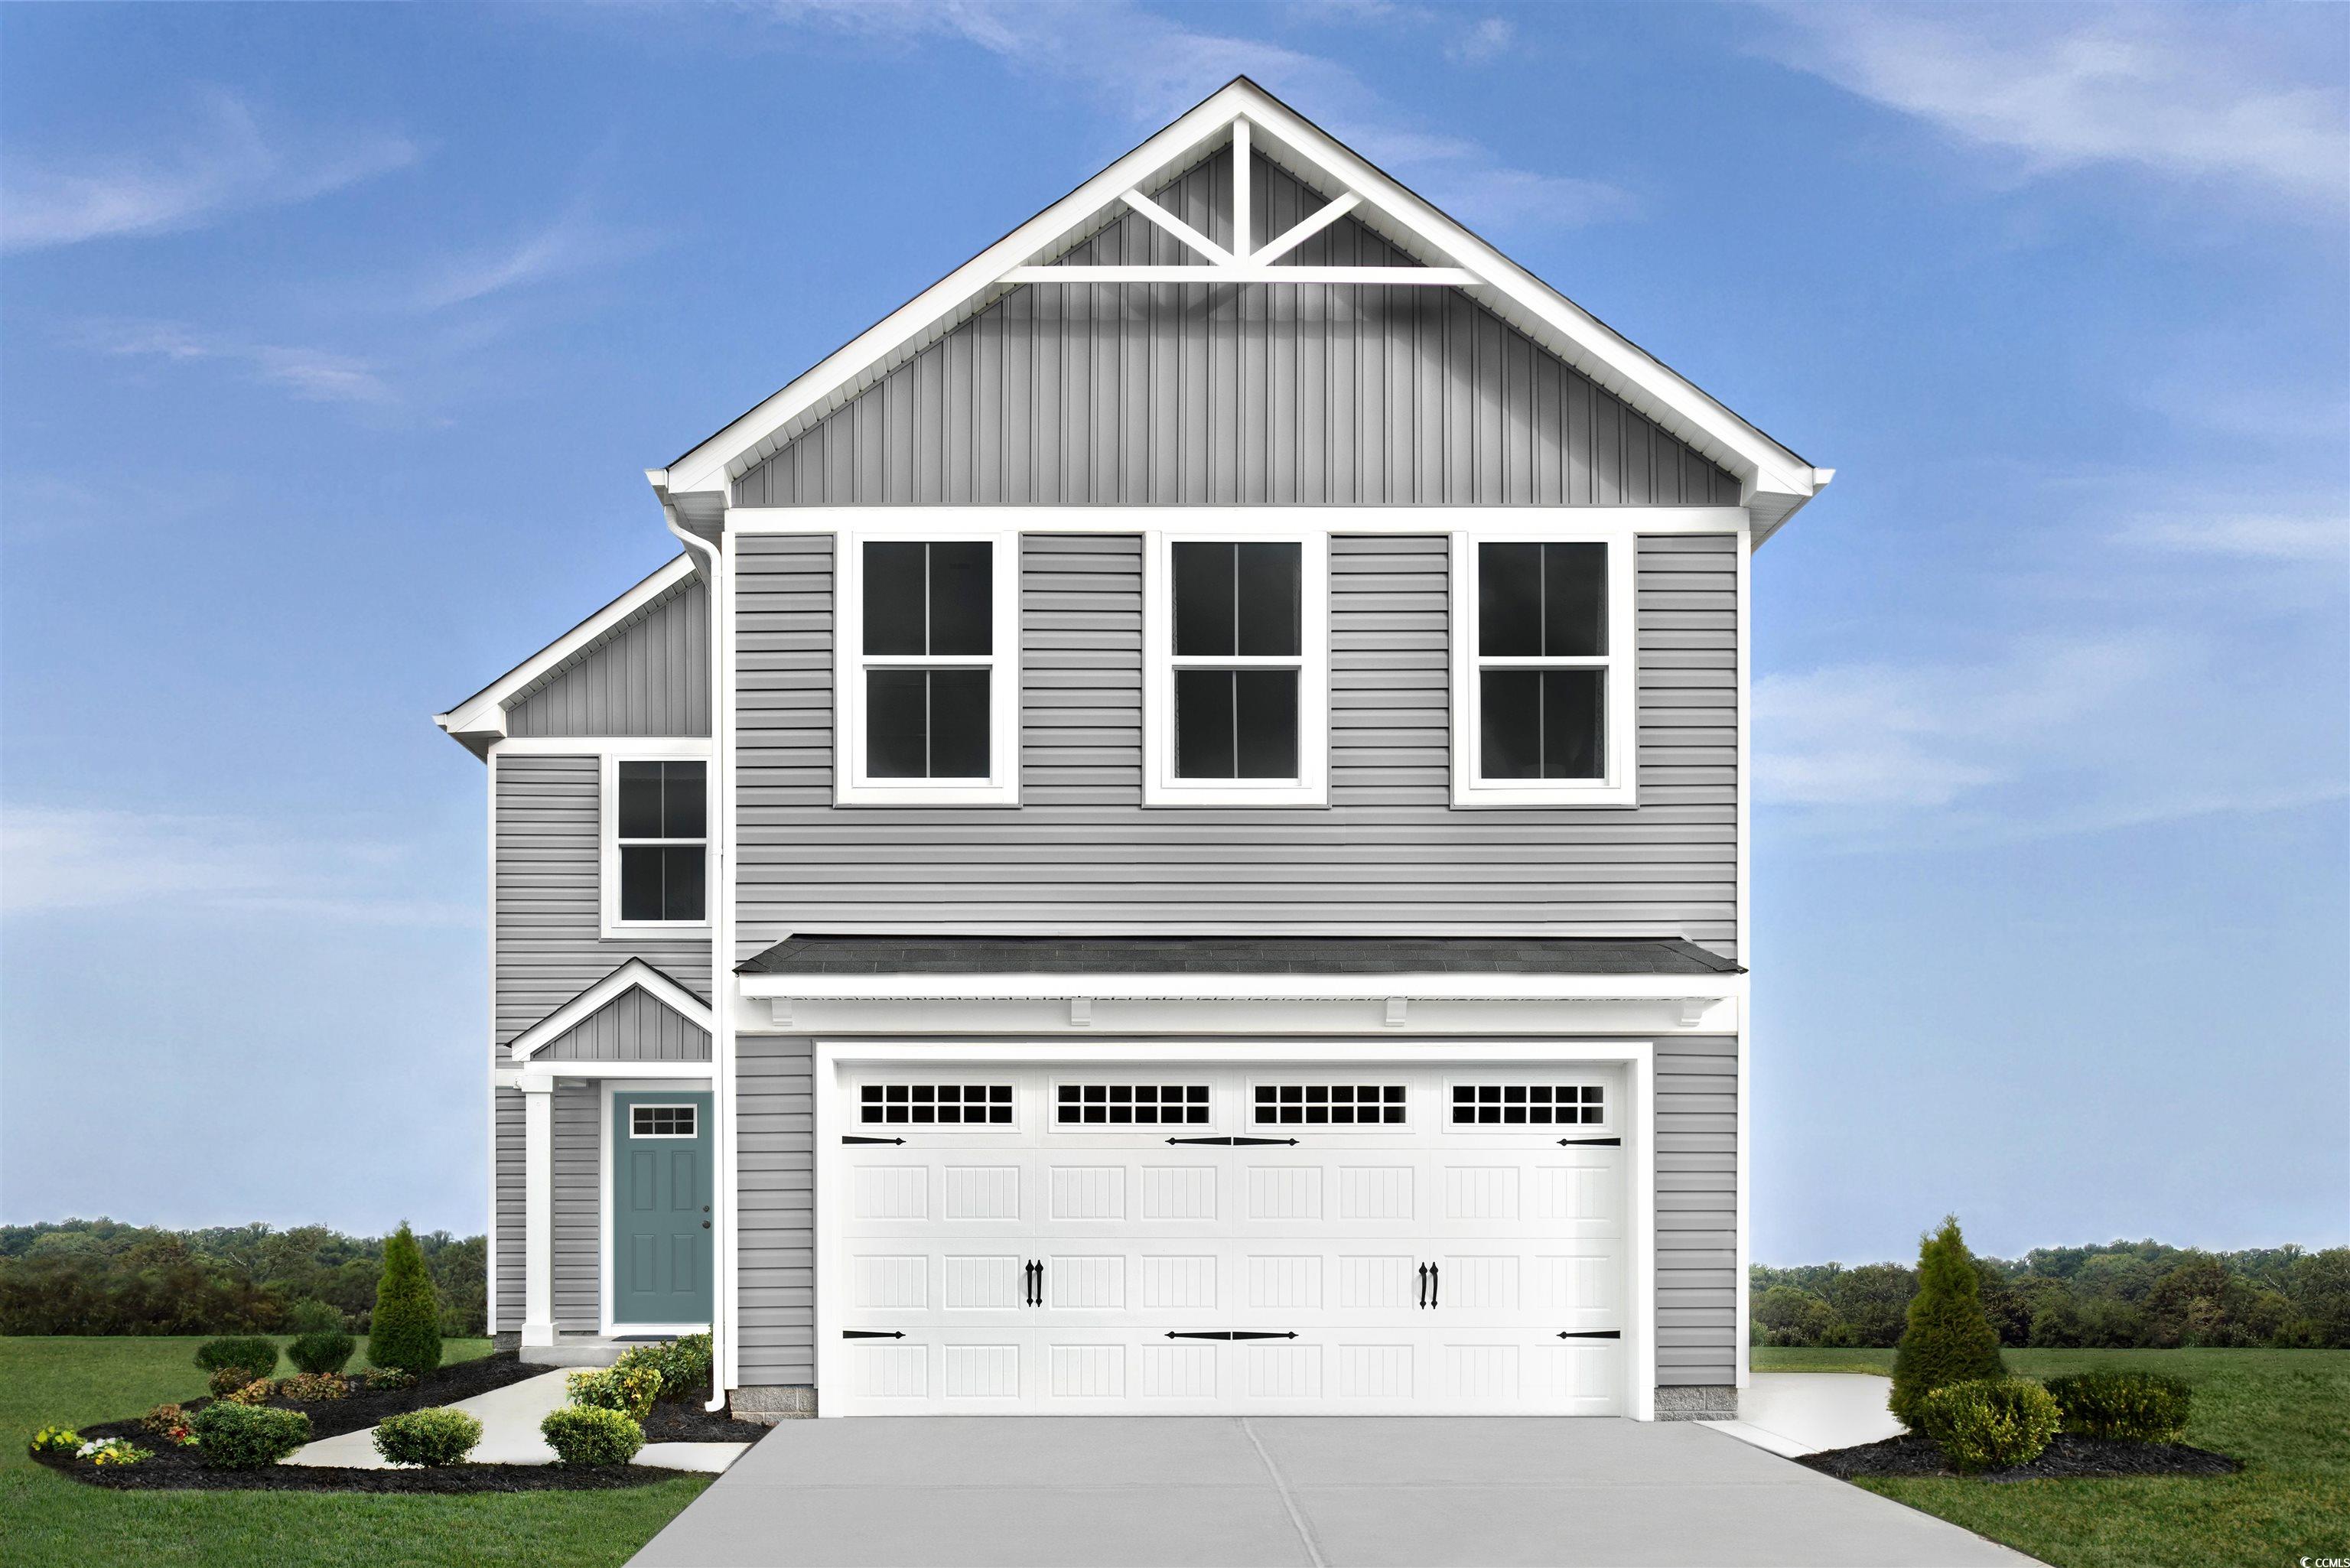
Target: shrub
column 1948, row 1340
column 311, row 1315
column 228, row 1380
column 322, row 1350
column 311, row 1387
column 405, row 1331
column 2138, row 1407
column 248, row 1437
column 588, row 1435
column 431, row 1436
column 1990, row 1423
column 682, row 1365
column 378, row 1378
column 256, row 1352
column 256, row 1392
column 630, row 1390
column 162, row 1419
column 55, row 1440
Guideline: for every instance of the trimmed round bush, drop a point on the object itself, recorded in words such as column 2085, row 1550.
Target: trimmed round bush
column 584, row 1434
column 322, row 1350
column 682, row 1365
column 405, row 1331
column 1950, row 1338
column 247, row 1436
column 2135, row 1406
column 1990, row 1423
column 431, row 1436
column 630, row 1390
column 257, row 1354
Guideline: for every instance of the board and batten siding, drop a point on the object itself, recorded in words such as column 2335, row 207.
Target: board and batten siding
column 634, row 1026
column 1081, row 852
column 549, row 879
column 774, row 1125
column 1253, row 394
column 649, row 676
column 1697, row 1210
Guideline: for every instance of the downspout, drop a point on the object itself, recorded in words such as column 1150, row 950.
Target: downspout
column 721, row 1035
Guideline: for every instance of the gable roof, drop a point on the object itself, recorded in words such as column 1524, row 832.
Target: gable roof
column 1774, row 480
column 634, row 975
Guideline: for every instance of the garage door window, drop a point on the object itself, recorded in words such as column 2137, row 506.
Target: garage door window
column 936, row 1105
column 1329, row 1104
column 1131, row 1105
column 1529, row 1105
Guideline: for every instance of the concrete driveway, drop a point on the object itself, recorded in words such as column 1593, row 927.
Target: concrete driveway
column 1159, row 1491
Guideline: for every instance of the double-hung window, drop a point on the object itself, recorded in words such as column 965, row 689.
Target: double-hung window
column 656, row 842
column 928, row 680
column 1542, row 680
column 1238, row 640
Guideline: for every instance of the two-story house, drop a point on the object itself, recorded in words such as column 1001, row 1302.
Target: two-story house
column 1174, row 839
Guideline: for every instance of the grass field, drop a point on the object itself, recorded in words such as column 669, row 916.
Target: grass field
column 45, row 1519
column 2285, row 1413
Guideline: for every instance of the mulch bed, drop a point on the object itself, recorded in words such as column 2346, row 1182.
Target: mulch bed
column 2066, row 1458
column 176, row 1469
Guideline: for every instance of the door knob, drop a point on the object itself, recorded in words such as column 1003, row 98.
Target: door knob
column 705, row 1224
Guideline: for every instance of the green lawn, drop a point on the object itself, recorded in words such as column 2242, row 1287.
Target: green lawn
column 45, row 1519
column 2285, row 1413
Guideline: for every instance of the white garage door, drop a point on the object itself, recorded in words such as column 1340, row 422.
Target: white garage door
column 1188, row 1240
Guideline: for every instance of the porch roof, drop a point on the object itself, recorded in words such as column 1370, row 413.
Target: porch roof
column 816, row 954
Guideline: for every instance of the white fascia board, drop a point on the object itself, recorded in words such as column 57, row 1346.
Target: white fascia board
column 1763, row 466
column 485, row 712
column 709, row 465
column 1249, row 987
column 631, row 975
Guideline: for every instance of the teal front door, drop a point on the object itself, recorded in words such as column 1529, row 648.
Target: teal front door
column 661, row 1152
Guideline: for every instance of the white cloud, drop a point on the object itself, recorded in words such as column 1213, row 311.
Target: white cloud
column 226, row 160
column 2313, row 538
column 313, row 375
column 572, row 243
column 2220, row 96
column 63, row 859
column 1486, row 41
column 1146, row 68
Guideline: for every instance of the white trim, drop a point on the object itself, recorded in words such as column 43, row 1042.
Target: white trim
column 1636, row 1056
column 1744, row 612
column 1243, row 987
column 483, row 713
column 599, row 745
column 700, row 1125
column 490, row 1242
column 535, row 1073
column 607, row 835
column 606, row 1325
column 1160, row 786
column 1247, row 271
column 539, row 1212
column 1565, row 329
column 1620, row 785
column 727, row 1309
column 1234, row 522
column 629, row 976
column 852, row 785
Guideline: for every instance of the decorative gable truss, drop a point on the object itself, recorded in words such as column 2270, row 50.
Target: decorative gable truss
column 675, row 1028
column 1239, row 120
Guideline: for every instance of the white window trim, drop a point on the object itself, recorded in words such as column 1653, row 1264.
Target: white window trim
column 1160, row 786
column 1619, row 787
column 608, row 833
column 852, row 785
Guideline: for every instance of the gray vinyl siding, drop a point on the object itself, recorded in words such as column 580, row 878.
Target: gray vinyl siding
column 506, row 1162
column 774, row 1125
column 550, row 870
column 1697, row 1210
column 1252, row 394
column 1081, row 852
column 632, row 1027
column 649, row 676
column 578, row 1208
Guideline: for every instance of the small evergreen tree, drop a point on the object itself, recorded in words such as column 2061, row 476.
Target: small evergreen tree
column 406, row 1329
column 1948, row 1338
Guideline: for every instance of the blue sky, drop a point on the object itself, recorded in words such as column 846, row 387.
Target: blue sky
column 335, row 340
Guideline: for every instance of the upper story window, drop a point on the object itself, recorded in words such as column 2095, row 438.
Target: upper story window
column 656, row 842
column 1239, row 671
column 1542, row 689
column 927, row 679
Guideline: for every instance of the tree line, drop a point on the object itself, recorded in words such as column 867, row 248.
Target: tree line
column 2123, row 1294
column 97, row 1276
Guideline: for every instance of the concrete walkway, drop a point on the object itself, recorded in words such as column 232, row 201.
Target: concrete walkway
column 509, row 1418
column 1224, row 1491
column 1795, row 1413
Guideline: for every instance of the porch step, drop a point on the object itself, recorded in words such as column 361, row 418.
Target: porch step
column 582, row 1350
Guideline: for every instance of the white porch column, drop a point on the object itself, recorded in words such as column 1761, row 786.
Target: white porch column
column 538, row 1211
